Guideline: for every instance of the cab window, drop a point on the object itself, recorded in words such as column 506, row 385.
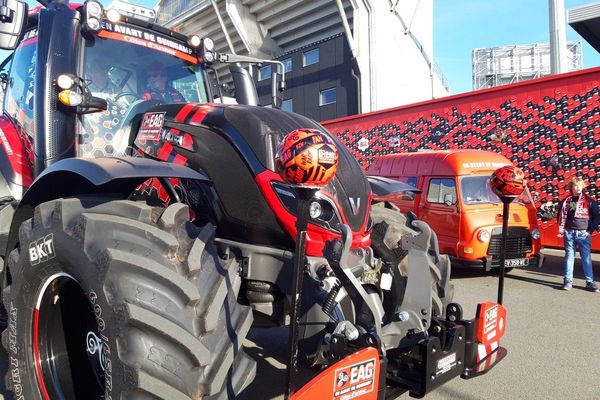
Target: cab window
column 18, row 101
column 441, row 190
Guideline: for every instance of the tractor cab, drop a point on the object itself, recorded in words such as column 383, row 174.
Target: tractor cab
column 119, row 69
column 88, row 74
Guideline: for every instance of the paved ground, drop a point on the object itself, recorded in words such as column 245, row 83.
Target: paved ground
column 552, row 338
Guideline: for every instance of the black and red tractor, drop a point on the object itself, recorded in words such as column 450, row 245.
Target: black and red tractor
column 144, row 230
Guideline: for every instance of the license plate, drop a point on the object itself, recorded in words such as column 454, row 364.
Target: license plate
column 517, row 262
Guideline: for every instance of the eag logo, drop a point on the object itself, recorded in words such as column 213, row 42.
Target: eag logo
column 362, row 372
column 42, row 250
column 491, row 315
column 342, row 379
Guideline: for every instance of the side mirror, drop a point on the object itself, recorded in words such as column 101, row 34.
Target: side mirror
column 277, row 85
column 13, row 17
column 448, row 199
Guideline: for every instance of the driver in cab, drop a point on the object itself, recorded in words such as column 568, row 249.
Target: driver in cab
column 157, row 87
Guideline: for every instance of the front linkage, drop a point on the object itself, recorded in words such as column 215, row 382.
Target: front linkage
column 451, row 347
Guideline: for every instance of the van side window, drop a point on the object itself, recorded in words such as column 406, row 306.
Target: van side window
column 439, row 189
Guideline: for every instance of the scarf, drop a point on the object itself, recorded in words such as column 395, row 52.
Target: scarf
column 582, row 210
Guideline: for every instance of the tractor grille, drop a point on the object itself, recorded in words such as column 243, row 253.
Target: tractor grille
column 518, row 242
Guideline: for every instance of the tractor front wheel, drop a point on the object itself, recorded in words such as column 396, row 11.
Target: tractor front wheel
column 114, row 299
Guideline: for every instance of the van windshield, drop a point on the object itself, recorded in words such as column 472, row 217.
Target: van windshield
column 476, row 190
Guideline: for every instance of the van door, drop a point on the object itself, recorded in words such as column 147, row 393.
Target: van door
column 439, row 208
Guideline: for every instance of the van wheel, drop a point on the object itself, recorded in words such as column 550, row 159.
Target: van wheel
column 389, row 227
column 117, row 299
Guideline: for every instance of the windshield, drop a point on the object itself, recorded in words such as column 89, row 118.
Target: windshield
column 476, row 190
column 133, row 74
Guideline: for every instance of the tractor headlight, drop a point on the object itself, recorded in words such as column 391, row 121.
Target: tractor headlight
column 113, row 15
column 536, row 234
column 93, row 15
column 70, row 98
column 65, row 81
column 92, row 25
column 209, row 45
column 483, row 236
column 194, row 41
column 93, row 9
column 322, row 211
column 315, row 210
column 207, row 50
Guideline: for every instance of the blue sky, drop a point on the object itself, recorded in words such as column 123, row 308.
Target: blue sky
column 459, row 26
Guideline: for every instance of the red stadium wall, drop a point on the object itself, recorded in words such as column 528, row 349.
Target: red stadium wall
column 549, row 127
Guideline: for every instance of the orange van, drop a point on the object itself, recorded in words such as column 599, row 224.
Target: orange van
column 457, row 203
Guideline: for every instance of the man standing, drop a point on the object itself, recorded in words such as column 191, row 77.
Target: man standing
column 578, row 217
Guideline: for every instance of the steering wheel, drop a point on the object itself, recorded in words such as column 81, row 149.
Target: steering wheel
column 135, row 97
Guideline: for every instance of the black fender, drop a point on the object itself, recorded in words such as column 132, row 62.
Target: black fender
column 382, row 187
column 82, row 176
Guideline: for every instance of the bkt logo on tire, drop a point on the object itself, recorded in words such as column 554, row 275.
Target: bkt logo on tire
column 42, row 250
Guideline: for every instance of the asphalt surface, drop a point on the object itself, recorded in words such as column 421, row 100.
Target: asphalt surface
column 552, row 340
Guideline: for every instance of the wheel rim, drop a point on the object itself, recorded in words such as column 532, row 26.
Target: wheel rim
column 67, row 349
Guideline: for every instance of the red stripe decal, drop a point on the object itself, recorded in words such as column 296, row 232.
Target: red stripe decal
column 183, row 113
column 36, row 355
column 179, row 159
column 164, row 152
column 199, row 115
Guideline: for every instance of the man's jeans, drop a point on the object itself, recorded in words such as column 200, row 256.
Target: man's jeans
column 584, row 240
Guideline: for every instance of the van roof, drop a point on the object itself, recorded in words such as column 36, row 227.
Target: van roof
column 437, row 162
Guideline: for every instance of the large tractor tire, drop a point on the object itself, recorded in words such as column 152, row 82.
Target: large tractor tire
column 390, row 225
column 114, row 299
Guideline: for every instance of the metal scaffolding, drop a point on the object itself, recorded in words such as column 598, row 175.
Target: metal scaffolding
column 509, row 64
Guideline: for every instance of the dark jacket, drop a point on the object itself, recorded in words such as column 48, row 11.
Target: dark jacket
column 169, row 95
column 594, row 220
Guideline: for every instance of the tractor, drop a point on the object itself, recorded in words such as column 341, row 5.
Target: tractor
column 144, row 230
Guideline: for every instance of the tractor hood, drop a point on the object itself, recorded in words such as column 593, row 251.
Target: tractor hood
column 235, row 145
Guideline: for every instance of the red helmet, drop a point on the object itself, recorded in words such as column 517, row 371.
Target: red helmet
column 307, row 157
column 508, row 181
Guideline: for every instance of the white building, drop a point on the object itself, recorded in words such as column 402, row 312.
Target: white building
column 375, row 54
